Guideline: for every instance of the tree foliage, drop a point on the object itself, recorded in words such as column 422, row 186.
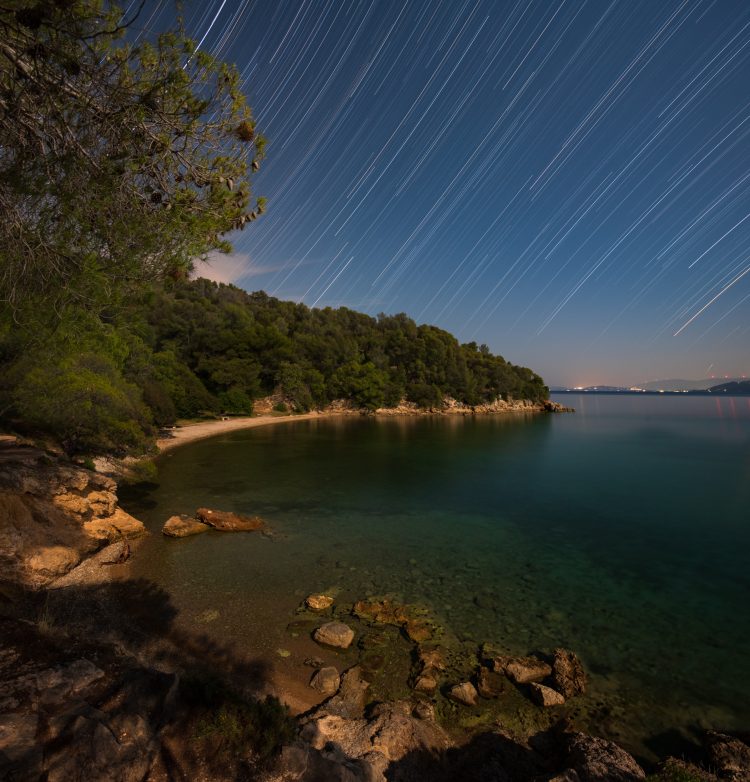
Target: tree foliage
column 120, row 162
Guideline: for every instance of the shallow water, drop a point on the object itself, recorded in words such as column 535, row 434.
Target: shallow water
column 621, row 532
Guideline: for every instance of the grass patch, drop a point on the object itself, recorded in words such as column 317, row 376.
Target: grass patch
column 241, row 726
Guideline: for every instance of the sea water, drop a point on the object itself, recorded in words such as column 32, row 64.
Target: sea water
column 621, row 531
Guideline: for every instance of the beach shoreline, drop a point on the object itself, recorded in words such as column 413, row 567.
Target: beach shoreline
column 188, row 433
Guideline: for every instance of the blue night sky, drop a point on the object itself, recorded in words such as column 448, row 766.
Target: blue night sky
column 567, row 182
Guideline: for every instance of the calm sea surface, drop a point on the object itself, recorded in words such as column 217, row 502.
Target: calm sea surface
column 621, row 531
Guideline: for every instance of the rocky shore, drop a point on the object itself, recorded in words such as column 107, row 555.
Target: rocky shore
column 98, row 682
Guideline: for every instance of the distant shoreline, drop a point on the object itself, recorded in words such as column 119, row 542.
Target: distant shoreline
column 717, row 394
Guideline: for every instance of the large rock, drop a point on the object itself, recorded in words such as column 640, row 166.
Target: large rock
column 115, row 527
column 729, row 756
column 53, row 560
column 545, row 696
column 182, row 527
column 326, row 680
column 464, row 693
column 522, row 670
column 568, row 676
column 335, row 634
column 598, row 760
column 368, row 747
column 349, row 701
column 229, row 522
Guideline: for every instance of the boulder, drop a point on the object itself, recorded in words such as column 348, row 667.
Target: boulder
column 335, row 634
column 489, row 683
column 349, row 701
column 115, row 527
column 545, row 696
column 599, row 760
column 431, row 658
column 53, row 560
column 182, row 527
column 389, row 736
column 229, row 522
column 318, row 602
column 326, row 680
column 424, row 710
column 522, row 670
column 568, row 676
column 464, row 693
column 426, row 683
column 729, row 756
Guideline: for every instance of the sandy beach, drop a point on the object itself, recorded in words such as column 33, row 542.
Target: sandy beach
column 189, row 432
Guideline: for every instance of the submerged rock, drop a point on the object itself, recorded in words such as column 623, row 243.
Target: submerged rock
column 568, row 676
column 335, row 634
column 522, row 670
column 426, row 683
column 225, row 521
column 489, row 683
column 318, row 602
column 545, row 696
column 182, row 527
column 464, row 693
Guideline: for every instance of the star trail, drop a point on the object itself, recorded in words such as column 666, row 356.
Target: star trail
column 568, row 182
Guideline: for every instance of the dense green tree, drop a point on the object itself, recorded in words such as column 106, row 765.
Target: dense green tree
column 119, row 162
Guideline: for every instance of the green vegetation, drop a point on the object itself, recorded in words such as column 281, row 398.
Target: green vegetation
column 120, row 165
column 241, row 726
column 199, row 347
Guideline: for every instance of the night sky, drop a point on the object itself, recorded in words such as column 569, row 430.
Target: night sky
column 567, row 182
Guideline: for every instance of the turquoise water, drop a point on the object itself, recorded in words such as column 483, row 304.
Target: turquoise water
column 621, row 531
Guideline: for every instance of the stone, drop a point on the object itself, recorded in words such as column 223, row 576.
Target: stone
column 431, row 658
column 349, row 701
column 390, row 735
column 53, row 560
column 545, row 696
column 489, row 683
column 599, row 760
column 229, row 522
column 569, row 775
column 183, row 526
column 729, row 756
column 115, row 527
column 102, row 503
column 417, row 631
column 424, row 710
column 464, row 693
column 318, row 602
column 326, row 680
column 568, row 676
column 522, row 670
column 17, row 736
column 335, row 634
column 426, row 683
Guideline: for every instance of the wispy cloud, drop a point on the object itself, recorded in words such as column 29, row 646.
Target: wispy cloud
column 230, row 267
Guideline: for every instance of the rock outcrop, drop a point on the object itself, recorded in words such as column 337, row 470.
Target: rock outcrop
column 53, row 515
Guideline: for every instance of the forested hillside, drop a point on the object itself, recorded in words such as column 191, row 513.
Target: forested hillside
column 201, row 347
column 239, row 346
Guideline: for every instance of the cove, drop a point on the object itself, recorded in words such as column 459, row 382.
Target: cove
column 620, row 531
